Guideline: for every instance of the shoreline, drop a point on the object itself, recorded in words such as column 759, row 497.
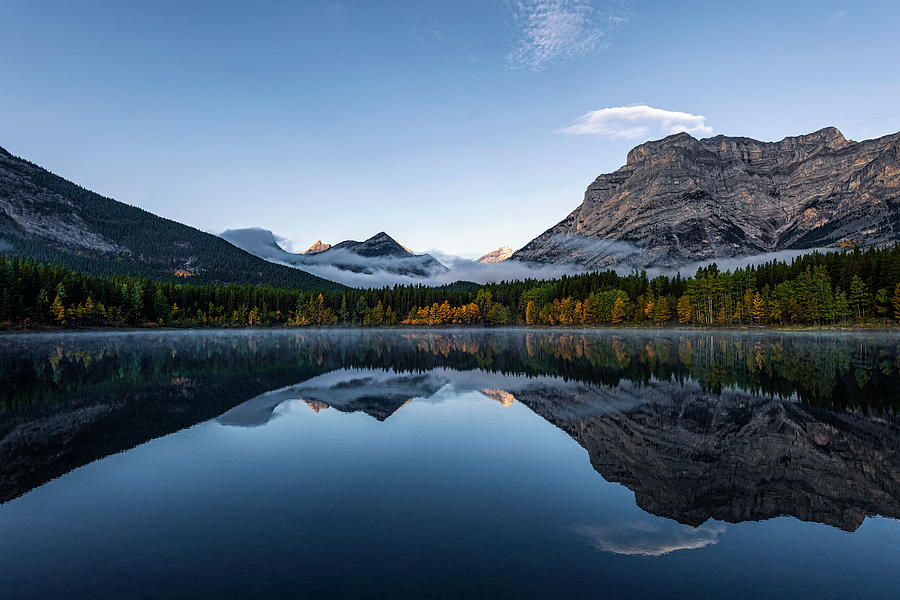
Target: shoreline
column 858, row 327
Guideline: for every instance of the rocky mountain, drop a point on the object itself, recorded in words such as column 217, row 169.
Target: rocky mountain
column 380, row 252
column 499, row 255
column 681, row 199
column 45, row 217
column 317, row 247
column 692, row 455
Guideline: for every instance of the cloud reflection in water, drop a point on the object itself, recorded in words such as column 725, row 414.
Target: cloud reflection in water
column 650, row 538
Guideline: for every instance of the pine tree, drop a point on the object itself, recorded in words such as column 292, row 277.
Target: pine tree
column 344, row 312
column 882, row 302
column 859, row 295
column 661, row 312
column 361, row 307
column 842, row 310
column 41, row 304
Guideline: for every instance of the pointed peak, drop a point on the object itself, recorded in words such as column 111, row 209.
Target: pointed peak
column 830, row 134
column 319, row 246
column 381, row 236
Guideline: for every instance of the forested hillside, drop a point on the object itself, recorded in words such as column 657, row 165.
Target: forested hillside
column 816, row 289
column 50, row 219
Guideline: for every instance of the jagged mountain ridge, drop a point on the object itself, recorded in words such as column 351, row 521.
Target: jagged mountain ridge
column 46, row 217
column 380, row 252
column 680, row 199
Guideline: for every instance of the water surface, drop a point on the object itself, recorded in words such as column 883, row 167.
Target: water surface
column 449, row 463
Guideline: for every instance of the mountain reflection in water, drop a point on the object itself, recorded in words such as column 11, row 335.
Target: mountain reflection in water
column 724, row 426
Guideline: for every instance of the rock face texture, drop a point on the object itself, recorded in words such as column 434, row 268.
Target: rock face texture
column 319, row 246
column 499, row 255
column 380, row 244
column 681, row 199
column 690, row 455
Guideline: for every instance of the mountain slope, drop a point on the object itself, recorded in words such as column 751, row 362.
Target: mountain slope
column 48, row 218
column 499, row 255
column 681, row 199
column 380, row 252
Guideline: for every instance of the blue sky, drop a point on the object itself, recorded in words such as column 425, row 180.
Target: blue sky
column 457, row 126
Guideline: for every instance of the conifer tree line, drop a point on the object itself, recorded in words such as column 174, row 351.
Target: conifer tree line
column 814, row 289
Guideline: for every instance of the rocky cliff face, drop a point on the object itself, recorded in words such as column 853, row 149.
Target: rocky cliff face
column 690, row 455
column 681, row 199
column 499, row 255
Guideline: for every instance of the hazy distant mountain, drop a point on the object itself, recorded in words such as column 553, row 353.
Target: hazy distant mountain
column 378, row 253
column 499, row 255
column 45, row 217
column 680, row 199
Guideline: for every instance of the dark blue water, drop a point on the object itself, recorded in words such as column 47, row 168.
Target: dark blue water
column 449, row 464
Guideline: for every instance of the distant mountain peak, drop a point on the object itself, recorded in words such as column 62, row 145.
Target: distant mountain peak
column 499, row 255
column 380, row 244
column 380, row 252
column 319, row 246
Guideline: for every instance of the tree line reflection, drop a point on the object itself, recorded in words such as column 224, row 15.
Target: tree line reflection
column 858, row 372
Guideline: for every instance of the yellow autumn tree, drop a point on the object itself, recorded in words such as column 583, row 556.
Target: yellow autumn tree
column 530, row 313
column 618, row 310
column 648, row 308
column 685, row 310
column 57, row 310
column 758, row 308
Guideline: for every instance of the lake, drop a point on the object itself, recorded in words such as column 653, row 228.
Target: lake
column 450, row 463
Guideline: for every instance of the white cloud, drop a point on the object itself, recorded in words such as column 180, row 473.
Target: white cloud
column 837, row 16
column 554, row 30
column 459, row 269
column 632, row 122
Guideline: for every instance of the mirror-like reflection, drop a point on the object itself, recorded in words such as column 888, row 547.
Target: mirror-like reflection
column 703, row 429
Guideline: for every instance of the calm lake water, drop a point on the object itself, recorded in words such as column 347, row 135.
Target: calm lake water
column 450, row 464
